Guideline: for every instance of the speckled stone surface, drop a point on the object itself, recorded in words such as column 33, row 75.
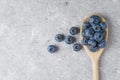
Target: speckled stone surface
column 27, row 27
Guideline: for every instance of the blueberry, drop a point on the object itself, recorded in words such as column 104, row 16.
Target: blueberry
column 92, row 43
column 86, row 25
column 59, row 37
column 88, row 32
column 69, row 39
column 74, row 30
column 94, row 19
column 102, row 44
column 52, row 48
column 98, row 36
column 103, row 25
column 77, row 47
column 96, row 27
column 93, row 49
column 103, row 32
column 84, row 41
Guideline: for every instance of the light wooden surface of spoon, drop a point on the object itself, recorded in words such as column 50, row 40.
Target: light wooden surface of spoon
column 95, row 56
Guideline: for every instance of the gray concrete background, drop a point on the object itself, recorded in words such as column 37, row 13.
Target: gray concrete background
column 27, row 27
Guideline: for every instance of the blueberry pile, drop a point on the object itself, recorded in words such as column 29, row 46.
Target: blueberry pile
column 94, row 33
column 68, row 40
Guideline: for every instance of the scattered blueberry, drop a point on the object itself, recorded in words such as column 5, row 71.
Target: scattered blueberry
column 103, row 25
column 52, row 48
column 92, row 43
column 86, row 25
column 74, row 30
column 102, row 44
column 94, row 19
column 84, row 41
column 59, row 37
column 93, row 49
column 98, row 36
column 69, row 39
column 77, row 47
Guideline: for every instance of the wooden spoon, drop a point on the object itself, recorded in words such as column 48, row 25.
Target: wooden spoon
column 95, row 56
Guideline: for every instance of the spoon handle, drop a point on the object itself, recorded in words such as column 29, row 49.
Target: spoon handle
column 95, row 63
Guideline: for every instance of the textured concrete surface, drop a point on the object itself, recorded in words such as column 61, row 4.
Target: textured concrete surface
column 27, row 27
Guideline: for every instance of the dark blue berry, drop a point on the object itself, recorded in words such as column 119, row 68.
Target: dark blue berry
column 93, row 49
column 103, row 32
column 92, row 43
column 52, row 48
column 94, row 19
column 102, row 44
column 69, row 39
column 103, row 25
column 74, row 30
column 96, row 27
column 88, row 32
column 77, row 47
column 59, row 37
column 98, row 36
column 84, row 41
column 86, row 25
